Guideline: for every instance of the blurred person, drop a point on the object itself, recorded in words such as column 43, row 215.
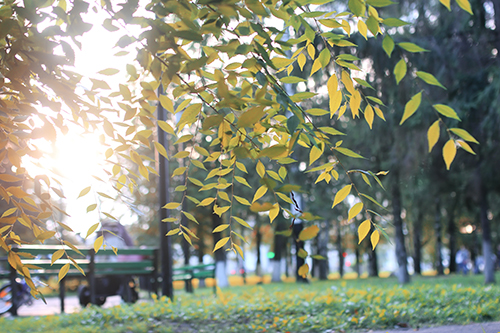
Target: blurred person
column 462, row 259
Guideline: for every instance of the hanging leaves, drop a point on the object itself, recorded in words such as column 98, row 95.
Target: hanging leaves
column 363, row 230
column 411, row 107
column 449, row 152
column 308, row 233
column 341, row 195
column 433, row 134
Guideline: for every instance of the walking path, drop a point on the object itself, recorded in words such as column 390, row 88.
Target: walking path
column 492, row 327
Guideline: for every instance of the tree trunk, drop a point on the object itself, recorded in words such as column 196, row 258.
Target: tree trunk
column 279, row 248
column 358, row 261
column 489, row 267
column 340, row 249
column 297, row 228
column 439, row 241
column 417, row 243
column 258, row 241
column 402, row 273
column 323, row 239
column 220, row 255
column 452, row 234
column 372, row 257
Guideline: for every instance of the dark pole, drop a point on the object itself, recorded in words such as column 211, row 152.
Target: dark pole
column 165, row 245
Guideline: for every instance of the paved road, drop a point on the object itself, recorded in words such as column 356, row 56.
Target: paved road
column 53, row 306
column 493, row 327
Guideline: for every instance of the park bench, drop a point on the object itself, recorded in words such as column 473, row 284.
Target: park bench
column 188, row 273
column 143, row 262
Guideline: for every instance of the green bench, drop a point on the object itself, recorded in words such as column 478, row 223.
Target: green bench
column 142, row 262
column 188, row 273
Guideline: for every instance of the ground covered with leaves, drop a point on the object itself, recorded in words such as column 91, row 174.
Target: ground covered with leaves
column 330, row 306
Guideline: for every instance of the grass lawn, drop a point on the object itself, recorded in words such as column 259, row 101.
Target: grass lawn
column 323, row 306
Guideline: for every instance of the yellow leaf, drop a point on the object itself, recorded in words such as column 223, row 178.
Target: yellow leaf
column 302, row 253
column 355, row 210
column 242, row 222
column 335, row 101
column 374, row 238
column 84, row 192
column 362, row 28
column 220, row 228
column 240, row 252
column 98, row 243
column 465, row 146
column 411, row 107
column 9, row 212
column 303, row 270
column 161, row 150
column 369, row 115
column 354, row 103
column 363, row 230
column 273, row 212
column 92, row 229
column 259, row 193
column 242, row 201
column 62, row 273
column 242, row 180
column 189, row 115
column 301, row 61
column 220, row 243
column 341, row 195
column 433, row 134
column 56, row 255
column 167, row 103
column 332, row 85
column 315, row 67
column 314, row 154
column 206, row 201
column 91, row 207
column 449, row 152
column 347, row 81
column 45, row 235
column 446, row 3
column 465, row 5
column 308, row 233
column 261, row 170
column 187, row 238
column 173, row 232
column 379, row 113
column 220, row 210
column 311, row 51
column 166, row 127
column 172, row 205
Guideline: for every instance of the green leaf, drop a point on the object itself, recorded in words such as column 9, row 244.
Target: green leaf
column 429, row 79
column 109, row 71
column 348, row 152
column 394, row 22
column 411, row 107
column 357, row 7
column 464, row 134
column 400, row 70
column 292, row 79
column 446, row 111
column 411, row 47
column 380, row 3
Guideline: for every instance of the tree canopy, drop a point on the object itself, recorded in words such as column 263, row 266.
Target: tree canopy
column 224, row 70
